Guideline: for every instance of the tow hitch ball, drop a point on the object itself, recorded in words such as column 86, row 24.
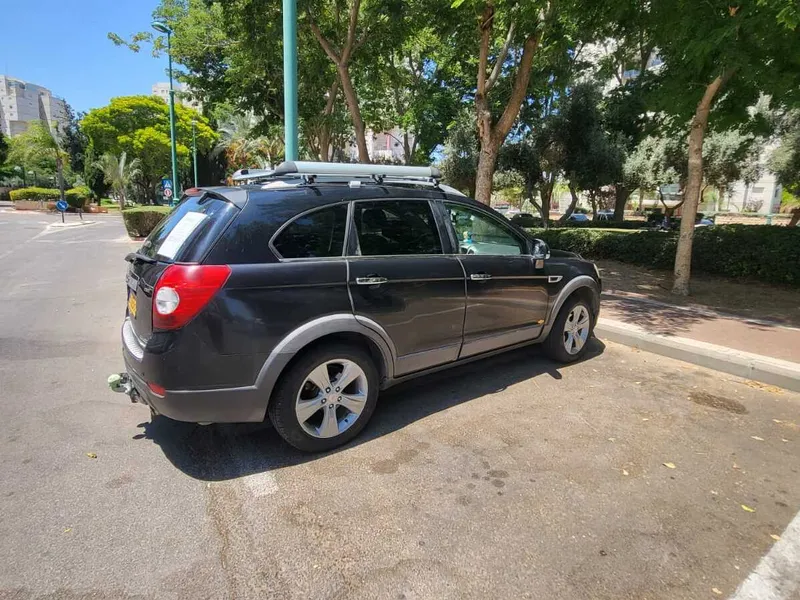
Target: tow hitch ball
column 121, row 383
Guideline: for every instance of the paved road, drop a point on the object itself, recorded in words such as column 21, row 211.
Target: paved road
column 509, row 478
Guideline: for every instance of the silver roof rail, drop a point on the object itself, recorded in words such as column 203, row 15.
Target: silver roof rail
column 252, row 174
column 299, row 167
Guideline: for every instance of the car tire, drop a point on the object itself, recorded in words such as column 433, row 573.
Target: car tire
column 558, row 340
column 292, row 407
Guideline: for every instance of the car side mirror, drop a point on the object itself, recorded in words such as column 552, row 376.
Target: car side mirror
column 540, row 250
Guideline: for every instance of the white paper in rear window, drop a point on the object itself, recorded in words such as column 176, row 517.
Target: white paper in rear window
column 180, row 233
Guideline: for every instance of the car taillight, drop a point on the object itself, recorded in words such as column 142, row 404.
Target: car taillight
column 183, row 290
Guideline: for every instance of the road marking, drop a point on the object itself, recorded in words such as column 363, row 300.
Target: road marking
column 777, row 576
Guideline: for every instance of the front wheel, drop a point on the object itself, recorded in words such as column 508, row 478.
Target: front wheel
column 569, row 337
column 326, row 398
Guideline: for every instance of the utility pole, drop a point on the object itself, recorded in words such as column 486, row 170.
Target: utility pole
column 164, row 28
column 194, row 149
column 290, row 77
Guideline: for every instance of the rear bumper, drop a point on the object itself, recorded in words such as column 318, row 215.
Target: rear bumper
column 221, row 405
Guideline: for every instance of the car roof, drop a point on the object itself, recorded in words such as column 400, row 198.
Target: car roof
column 306, row 196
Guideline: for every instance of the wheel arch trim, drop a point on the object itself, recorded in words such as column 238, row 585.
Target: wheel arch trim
column 300, row 338
column 582, row 281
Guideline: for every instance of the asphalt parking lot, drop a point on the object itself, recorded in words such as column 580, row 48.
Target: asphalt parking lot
column 627, row 475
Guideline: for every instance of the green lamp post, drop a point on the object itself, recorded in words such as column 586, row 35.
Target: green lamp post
column 162, row 27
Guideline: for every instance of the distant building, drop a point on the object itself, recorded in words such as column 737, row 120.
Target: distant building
column 22, row 103
column 183, row 94
column 384, row 146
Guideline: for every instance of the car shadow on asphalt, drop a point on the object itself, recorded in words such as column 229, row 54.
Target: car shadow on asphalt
column 228, row 451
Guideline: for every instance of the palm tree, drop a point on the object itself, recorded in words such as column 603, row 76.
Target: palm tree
column 118, row 173
column 241, row 145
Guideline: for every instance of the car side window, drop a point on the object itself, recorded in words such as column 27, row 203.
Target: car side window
column 317, row 234
column 477, row 233
column 387, row 228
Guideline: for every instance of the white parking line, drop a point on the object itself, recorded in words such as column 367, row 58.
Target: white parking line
column 777, row 576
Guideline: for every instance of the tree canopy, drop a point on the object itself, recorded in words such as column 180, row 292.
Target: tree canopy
column 139, row 126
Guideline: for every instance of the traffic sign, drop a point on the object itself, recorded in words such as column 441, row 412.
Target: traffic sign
column 62, row 205
column 167, row 193
column 166, row 184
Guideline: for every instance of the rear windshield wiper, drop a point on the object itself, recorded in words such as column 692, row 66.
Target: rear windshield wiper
column 135, row 257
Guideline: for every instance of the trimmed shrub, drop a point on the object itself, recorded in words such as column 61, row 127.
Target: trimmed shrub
column 78, row 197
column 35, row 193
column 140, row 221
column 764, row 252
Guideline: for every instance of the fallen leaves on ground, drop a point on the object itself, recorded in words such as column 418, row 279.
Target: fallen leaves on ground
column 624, row 472
column 755, row 437
column 91, row 455
column 717, row 591
column 747, row 508
column 777, row 538
column 763, row 386
column 669, row 465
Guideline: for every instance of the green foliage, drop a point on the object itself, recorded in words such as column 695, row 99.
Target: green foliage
column 35, row 193
column 460, row 163
column 764, row 252
column 3, row 149
column 78, row 197
column 142, row 220
column 73, row 141
column 139, row 126
column 785, row 160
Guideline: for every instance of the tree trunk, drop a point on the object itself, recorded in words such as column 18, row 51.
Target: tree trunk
column 546, row 194
column 621, row 195
column 683, row 254
column 573, row 203
column 795, row 217
column 641, row 200
column 492, row 135
column 60, row 169
column 487, row 160
column 355, row 113
column 407, row 151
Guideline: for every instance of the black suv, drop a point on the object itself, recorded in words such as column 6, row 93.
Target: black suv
column 303, row 297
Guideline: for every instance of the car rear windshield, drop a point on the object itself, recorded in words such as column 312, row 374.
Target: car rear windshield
column 189, row 230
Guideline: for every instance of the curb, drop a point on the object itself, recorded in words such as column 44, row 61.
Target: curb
column 773, row 371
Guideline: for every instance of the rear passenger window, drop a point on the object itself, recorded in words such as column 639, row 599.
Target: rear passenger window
column 315, row 235
column 396, row 227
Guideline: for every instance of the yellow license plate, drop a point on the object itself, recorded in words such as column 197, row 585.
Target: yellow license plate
column 132, row 304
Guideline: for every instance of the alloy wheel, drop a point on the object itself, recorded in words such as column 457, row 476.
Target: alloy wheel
column 576, row 329
column 331, row 398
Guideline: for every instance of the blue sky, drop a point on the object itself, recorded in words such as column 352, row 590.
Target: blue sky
column 62, row 45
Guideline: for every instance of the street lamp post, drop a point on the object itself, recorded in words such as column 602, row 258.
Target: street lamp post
column 290, row 77
column 163, row 28
column 194, row 149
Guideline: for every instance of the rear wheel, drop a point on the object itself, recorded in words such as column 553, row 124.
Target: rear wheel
column 326, row 398
column 569, row 338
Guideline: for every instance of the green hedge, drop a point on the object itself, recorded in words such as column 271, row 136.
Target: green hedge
column 142, row 220
column 78, row 197
column 35, row 193
column 765, row 252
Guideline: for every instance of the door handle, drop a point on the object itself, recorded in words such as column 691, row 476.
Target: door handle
column 371, row 280
column 480, row 276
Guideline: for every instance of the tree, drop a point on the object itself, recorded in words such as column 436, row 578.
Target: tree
column 139, row 126
column 39, row 149
column 74, row 141
column 720, row 56
column 242, row 146
column 460, row 163
column 3, row 149
column 119, row 173
column 658, row 161
column 730, row 156
column 785, row 159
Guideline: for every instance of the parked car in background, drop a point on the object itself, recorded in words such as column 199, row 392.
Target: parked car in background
column 578, row 218
column 605, row 215
column 298, row 299
column 525, row 220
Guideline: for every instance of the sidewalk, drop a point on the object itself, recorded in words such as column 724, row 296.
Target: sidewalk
column 760, row 336
column 759, row 349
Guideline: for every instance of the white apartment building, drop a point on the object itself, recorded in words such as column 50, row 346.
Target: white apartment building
column 182, row 94
column 22, row 103
column 383, row 146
